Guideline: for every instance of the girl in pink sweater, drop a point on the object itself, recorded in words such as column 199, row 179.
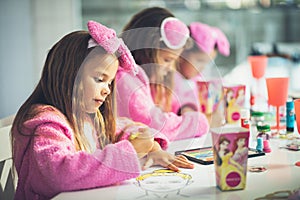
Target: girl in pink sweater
column 206, row 43
column 65, row 136
column 156, row 39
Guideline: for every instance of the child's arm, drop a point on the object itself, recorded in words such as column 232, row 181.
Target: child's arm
column 56, row 164
column 140, row 107
column 216, row 119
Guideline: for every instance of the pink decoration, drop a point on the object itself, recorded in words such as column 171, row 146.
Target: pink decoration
column 208, row 37
column 107, row 38
column 174, row 33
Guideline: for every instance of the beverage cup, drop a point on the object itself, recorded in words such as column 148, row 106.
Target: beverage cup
column 258, row 65
column 230, row 149
column 210, row 95
column 234, row 98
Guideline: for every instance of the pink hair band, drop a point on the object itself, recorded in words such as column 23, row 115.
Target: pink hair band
column 108, row 40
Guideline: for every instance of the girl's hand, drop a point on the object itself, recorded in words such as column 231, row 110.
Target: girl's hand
column 167, row 160
column 143, row 143
column 155, row 147
column 216, row 119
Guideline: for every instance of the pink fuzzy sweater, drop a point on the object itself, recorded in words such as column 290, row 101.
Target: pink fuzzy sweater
column 51, row 164
column 134, row 101
column 185, row 94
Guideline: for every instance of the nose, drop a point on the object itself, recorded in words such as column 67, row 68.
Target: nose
column 171, row 66
column 105, row 90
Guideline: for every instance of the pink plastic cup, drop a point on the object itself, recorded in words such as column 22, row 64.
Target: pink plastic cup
column 258, row 65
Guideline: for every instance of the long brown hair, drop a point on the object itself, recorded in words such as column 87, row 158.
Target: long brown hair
column 56, row 88
column 142, row 36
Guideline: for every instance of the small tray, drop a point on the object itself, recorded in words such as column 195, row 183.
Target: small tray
column 204, row 155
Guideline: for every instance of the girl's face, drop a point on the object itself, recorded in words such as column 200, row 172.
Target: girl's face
column 194, row 63
column 167, row 59
column 98, row 74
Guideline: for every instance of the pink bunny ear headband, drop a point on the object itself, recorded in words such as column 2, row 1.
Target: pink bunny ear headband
column 174, row 33
column 208, row 37
column 107, row 38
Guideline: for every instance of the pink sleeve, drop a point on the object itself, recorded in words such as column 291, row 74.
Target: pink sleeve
column 185, row 94
column 135, row 101
column 57, row 167
column 189, row 125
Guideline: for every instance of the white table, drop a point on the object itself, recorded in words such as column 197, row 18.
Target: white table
column 281, row 174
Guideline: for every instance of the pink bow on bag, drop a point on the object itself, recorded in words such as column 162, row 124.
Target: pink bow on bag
column 107, row 38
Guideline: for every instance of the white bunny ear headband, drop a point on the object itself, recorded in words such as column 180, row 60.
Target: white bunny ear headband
column 174, row 33
column 107, row 38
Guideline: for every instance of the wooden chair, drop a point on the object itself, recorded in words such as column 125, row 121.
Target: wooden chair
column 7, row 180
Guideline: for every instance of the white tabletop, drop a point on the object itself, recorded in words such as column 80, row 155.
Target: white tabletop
column 281, row 175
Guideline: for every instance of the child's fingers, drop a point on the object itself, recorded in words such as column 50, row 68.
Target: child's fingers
column 173, row 167
column 142, row 130
column 181, row 157
column 168, row 162
column 149, row 162
column 144, row 133
column 184, row 165
column 183, row 162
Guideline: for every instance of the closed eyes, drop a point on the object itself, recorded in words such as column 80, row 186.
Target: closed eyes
column 100, row 80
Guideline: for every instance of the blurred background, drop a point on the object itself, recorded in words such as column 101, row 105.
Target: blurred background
column 29, row 28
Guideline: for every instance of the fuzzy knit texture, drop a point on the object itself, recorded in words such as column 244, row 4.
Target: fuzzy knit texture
column 207, row 37
column 185, row 94
column 174, row 32
column 134, row 101
column 107, row 38
column 51, row 164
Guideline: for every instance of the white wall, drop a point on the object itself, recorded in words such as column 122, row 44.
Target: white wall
column 52, row 20
column 29, row 28
column 16, row 63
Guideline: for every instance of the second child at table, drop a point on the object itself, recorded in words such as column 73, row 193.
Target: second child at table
column 206, row 43
column 156, row 39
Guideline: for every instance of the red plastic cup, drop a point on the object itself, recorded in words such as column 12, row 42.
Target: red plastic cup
column 277, row 90
column 277, row 93
column 258, row 65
